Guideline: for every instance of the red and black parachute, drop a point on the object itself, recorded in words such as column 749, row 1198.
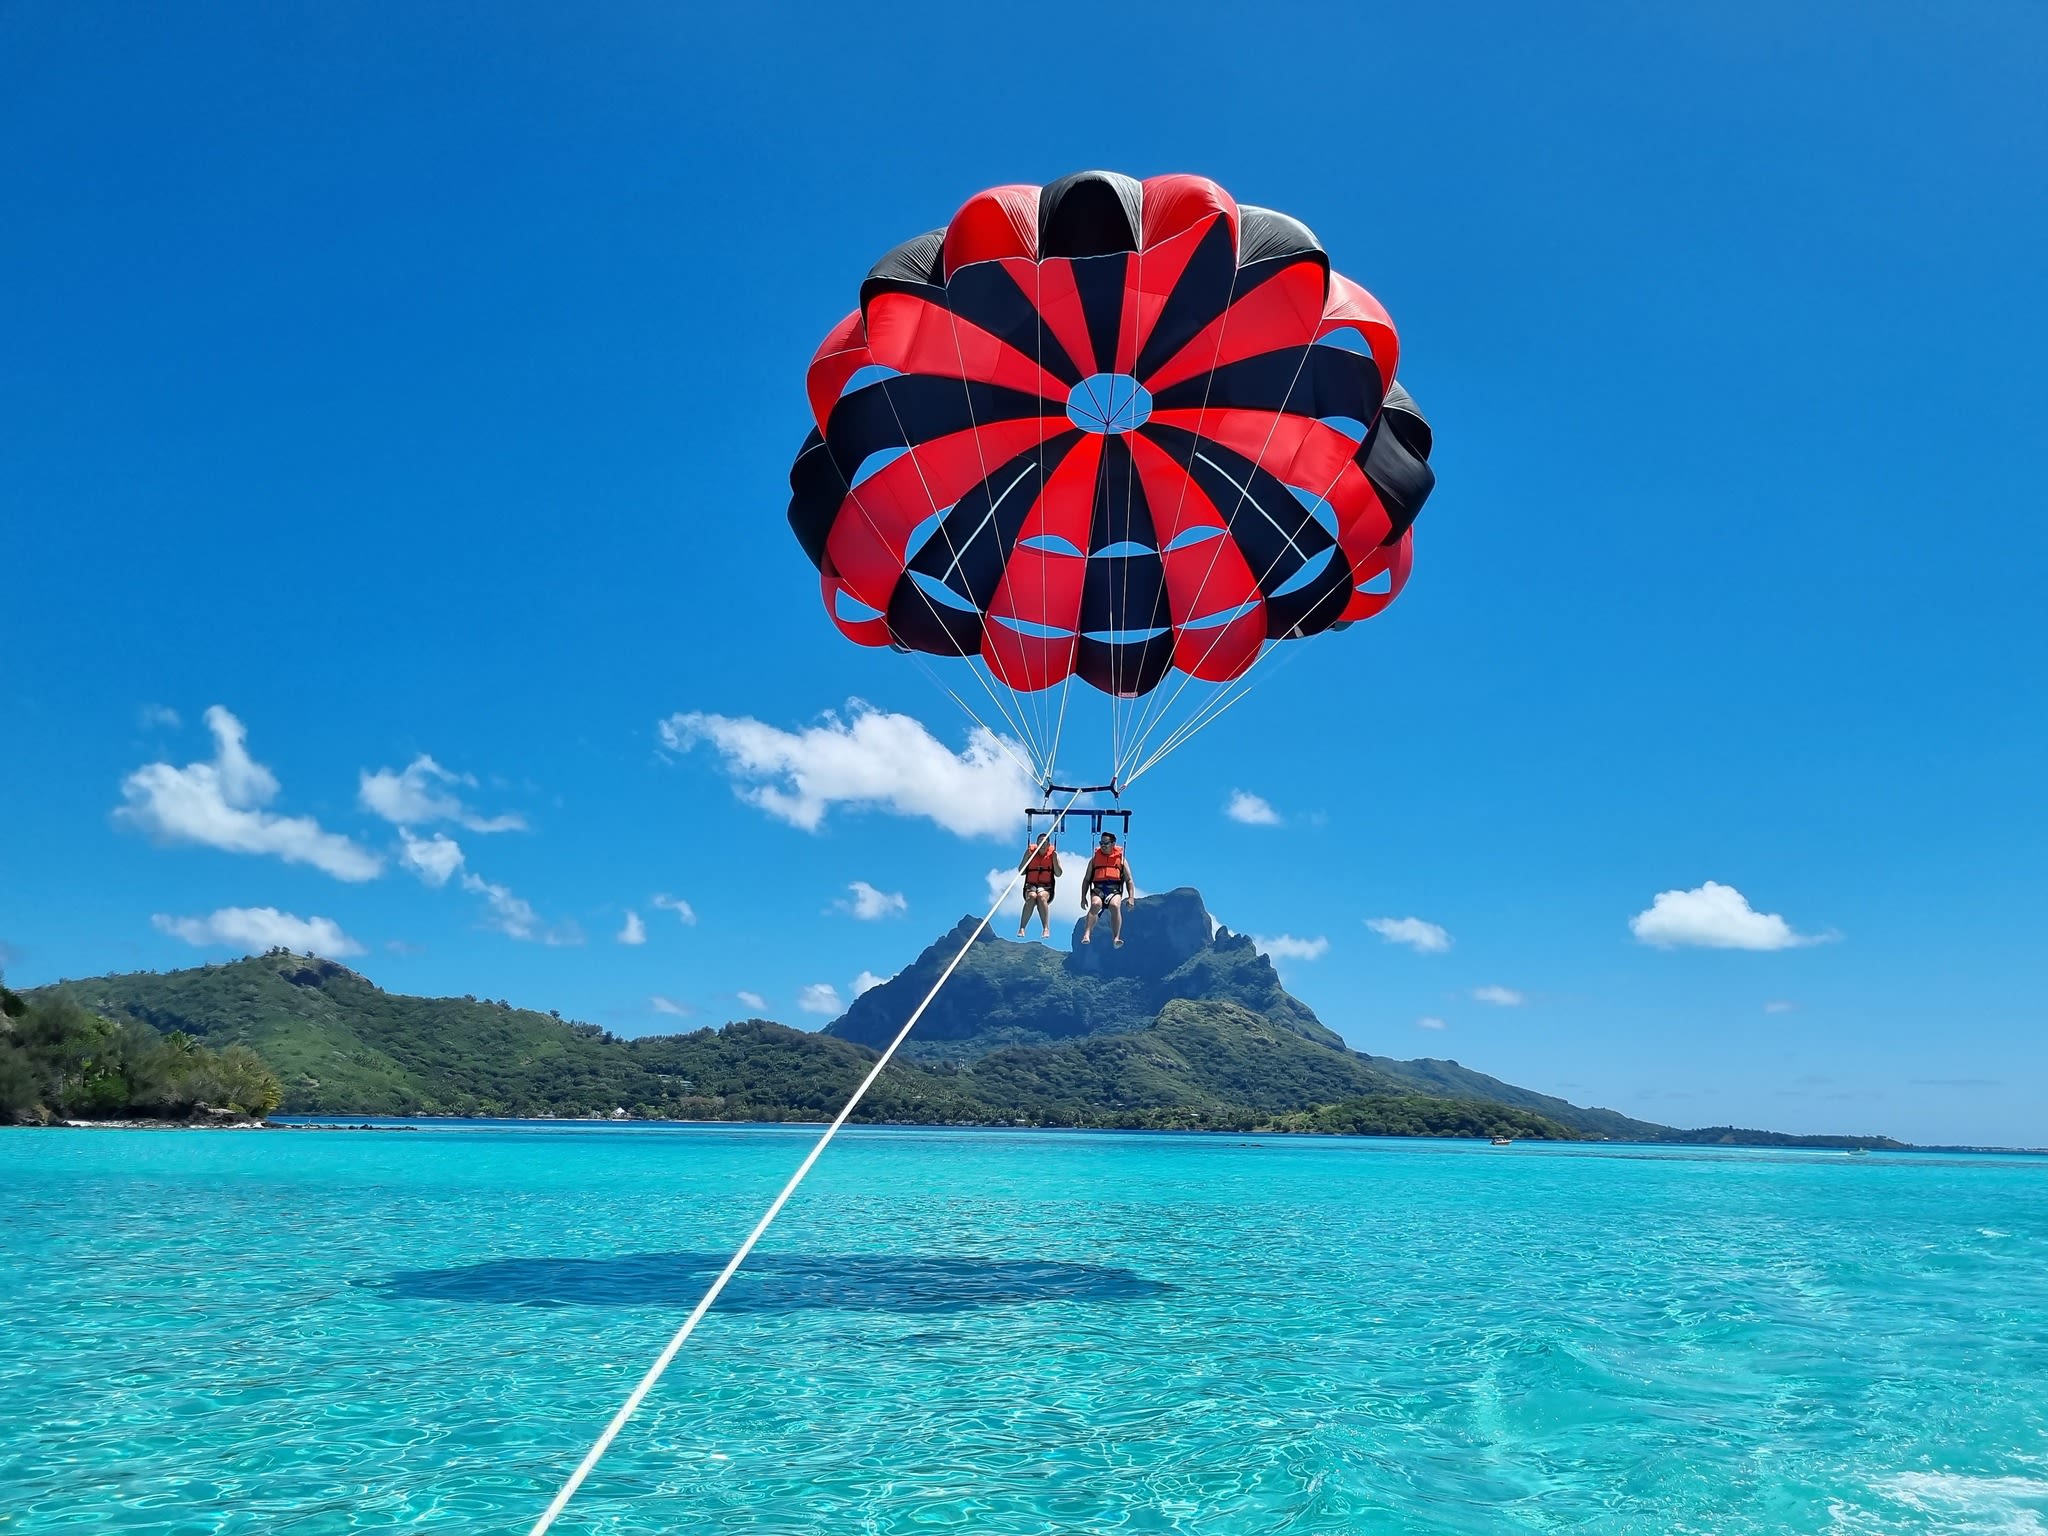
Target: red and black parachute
column 1108, row 429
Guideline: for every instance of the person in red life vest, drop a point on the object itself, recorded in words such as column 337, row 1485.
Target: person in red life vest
column 1041, row 868
column 1109, row 885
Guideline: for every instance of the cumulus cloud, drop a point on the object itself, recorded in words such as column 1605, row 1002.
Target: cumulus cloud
column 219, row 804
column 1424, row 938
column 254, row 929
column 1713, row 916
column 1252, row 810
column 1431, row 1023
column 820, row 997
column 635, row 931
column 1500, row 997
column 866, row 759
column 434, row 859
column 685, row 913
column 753, row 1000
column 871, row 905
column 666, row 1005
column 157, row 717
column 867, row 981
column 1779, row 1006
column 1285, row 946
column 419, row 793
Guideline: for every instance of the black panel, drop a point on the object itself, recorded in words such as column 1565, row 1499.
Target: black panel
column 1275, row 532
column 1091, row 213
column 919, row 262
column 816, row 490
column 972, row 545
column 1263, row 234
column 1123, row 669
column 915, row 408
column 1396, row 460
column 1121, row 512
column 1202, row 293
column 1100, row 284
column 1327, row 382
column 917, row 623
column 985, row 295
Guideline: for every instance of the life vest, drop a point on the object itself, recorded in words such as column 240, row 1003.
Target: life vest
column 1042, row 868
column 1107, row 866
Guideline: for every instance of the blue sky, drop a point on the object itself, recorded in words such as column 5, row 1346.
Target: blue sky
column 423, row 383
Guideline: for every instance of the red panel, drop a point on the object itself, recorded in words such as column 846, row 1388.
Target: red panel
column 991, row 225
column 1050, row 285
column 1362, row 520
column 1039, row 587
column 913, row 335
column 1177, row 504
column 1208, row 578
column 1065, row 508
column 1283, row 311
column 874, row 524
column 1351, row 305
column 1399, row 559
column 842, row 354
column 1176, row 204
column 873, row 631
column 1154, row 272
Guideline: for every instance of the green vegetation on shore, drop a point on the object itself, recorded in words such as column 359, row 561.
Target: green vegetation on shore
column 59, row 1060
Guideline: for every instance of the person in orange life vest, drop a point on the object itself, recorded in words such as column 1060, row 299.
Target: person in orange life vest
column 1041, row 866
column 1108, row 885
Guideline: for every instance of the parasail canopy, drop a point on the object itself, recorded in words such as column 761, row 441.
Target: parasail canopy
column 1111, row 430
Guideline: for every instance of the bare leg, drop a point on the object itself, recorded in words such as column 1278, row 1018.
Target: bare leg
column 1116, row 920
column 1094, row 911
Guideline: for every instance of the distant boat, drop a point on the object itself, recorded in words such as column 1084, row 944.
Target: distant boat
column 1859, row 1151
column 1503, row 1141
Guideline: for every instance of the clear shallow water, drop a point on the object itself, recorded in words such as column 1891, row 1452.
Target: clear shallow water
column 314, row 1332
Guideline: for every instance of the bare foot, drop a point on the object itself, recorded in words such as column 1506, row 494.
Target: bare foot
column 1119, row 943
column 1087, row 938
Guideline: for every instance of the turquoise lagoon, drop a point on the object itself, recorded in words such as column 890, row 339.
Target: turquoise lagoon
column 1015, row 1332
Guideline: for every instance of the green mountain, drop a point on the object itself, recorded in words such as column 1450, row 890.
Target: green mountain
column 1006, row 995
column 1187, row 1025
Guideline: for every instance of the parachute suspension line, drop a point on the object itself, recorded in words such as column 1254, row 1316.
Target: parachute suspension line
column 661, row 1363
column 1244, row 494
column 1009, row 719
column 1214, row 708
column 1154, row 709
column 981, row 456
column 1030, row 768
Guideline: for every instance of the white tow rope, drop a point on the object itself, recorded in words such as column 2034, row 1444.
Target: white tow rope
column 661, row 1362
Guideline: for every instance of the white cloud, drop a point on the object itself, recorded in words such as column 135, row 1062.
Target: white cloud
column 868, row 759
column 1500, row 997
column 1714, row 916
column 219, row 804
column 1431, row 1023
column 685, row 913
column 1286, row 947
column 1422, row 937
column 999, row 882
column 867, row 981
column 157, row 717
column 753, row 1000
column 871, row 905
column 514, row 916
column 253, row 929
column 416, row 795
column 820, row 997
column 1779, row 1007
column 666, row 1005
column 434, row 859
column 1252, row 810
column 635, row 931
